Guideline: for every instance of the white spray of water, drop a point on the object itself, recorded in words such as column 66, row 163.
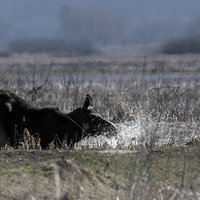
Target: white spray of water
column 129, row 134
column 144, row 132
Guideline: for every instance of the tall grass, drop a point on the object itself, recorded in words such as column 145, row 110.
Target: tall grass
column 151, row 94
column 154, row 102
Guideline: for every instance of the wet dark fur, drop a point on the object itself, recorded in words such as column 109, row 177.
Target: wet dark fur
column 16, row 114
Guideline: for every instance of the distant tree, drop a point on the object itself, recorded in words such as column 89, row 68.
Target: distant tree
column 188, row 44
column 182, row 46
column 51, row 45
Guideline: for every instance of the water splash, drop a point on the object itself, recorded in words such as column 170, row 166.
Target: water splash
column 143, row 133
column 129, row 134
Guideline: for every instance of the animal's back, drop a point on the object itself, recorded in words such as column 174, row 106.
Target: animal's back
column 7, row 97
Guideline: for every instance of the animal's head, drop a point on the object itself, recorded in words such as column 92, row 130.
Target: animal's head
column 91, row 123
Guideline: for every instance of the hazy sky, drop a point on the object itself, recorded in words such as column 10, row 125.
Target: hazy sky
column 101, row 21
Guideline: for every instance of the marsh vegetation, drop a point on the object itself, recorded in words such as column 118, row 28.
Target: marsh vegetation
column 153, row 101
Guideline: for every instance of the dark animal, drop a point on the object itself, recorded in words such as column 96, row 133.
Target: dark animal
column 16, row 115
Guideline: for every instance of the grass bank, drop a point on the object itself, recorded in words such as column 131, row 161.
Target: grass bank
column 95, row 174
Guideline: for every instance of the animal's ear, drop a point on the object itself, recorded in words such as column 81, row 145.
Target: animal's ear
column 88, row 102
